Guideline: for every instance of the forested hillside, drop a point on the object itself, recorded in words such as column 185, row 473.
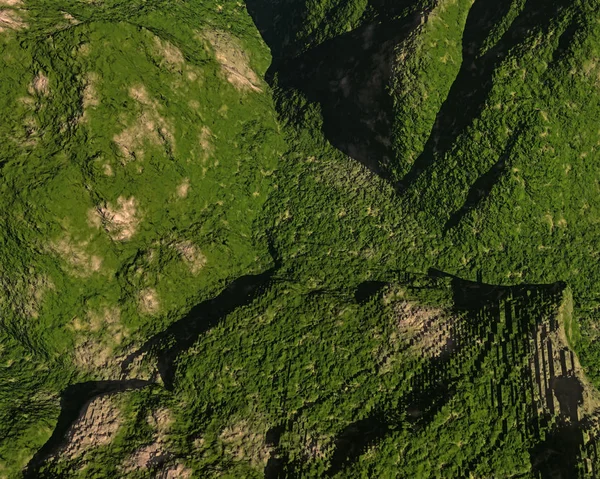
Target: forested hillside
column 299, row 238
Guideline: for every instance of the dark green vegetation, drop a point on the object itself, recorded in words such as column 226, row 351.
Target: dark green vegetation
column 220, row 262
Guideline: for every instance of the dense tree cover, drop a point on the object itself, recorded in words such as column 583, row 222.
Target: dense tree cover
column 249, row 255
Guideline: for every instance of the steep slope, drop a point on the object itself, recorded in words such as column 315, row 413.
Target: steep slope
column 483, row 125
column 137, row 148
column 217, row 266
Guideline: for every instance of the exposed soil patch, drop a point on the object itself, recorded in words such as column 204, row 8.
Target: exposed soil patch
column 108, row 319
column 183, row 188
column 148, row 301
column 191, row 255
column 206, row 144
column 170, row 53
column 80, row 262
column 147, row 457
column 149, row 128
column 244, row 443
column 426, row 329
column 155, row 454
column 233, row 60
column 99, row 332
column 97, row 426
column 89, row 96
column 120, row 222
column 11, row 20
column 94, row 356
column 40, row 85
column 177, row 471
column 90, row 417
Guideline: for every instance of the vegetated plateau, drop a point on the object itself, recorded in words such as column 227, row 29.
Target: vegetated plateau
column 299, row 238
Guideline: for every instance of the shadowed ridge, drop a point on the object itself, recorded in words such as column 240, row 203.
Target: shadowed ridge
column 283, row 23
column 474, row 82
column 72, row 400
column 348, row 77
column 482, row 187
column 488, row 317
column 182, row 334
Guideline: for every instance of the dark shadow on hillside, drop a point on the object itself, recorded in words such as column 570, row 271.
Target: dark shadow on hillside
column 492, row 322
column 482, row 187
column 182, row 334
column 166, row 345
column 72, row 401
column 348, row 77
column 367, row 290
column 474, row 82
column 282, row 23
column 496, row 331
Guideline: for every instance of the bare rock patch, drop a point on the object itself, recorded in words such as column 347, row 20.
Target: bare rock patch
column 150, row 127
column 97, row 426
column 40, row 85
column 11, row 20
column 148, row 301
column 120, row 221
column 79, row 261
column 233, row 60
column 191, row 255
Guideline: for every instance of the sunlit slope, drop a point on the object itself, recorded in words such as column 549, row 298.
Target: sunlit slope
column 137, row 145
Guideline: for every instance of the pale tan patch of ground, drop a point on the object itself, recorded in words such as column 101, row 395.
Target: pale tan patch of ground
column 206, row 143
column 84, row 49
column 97, row 426
column 316, row 447
column 149, row 127
column 156, row 453
column 108, row 171
column 36, row 291
column 40, row 85
column 191, row 255
column 120, row 222
column 81, row 263
column 148, row 302
column 177, row 471
column 233, row 60
column 108, row 319
column 93, row 355
column 161, row 419
column 243, row 443
column 89, row 96
column 30, row 134
column 70, row 18
column 131, row 140
column 25, row 295
column 146, row 457
column 169, row 52
column 194, row 75
column 425, row 328
column 183, row 188
column 11, row 20
column 139, row 93
column 11, row 3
